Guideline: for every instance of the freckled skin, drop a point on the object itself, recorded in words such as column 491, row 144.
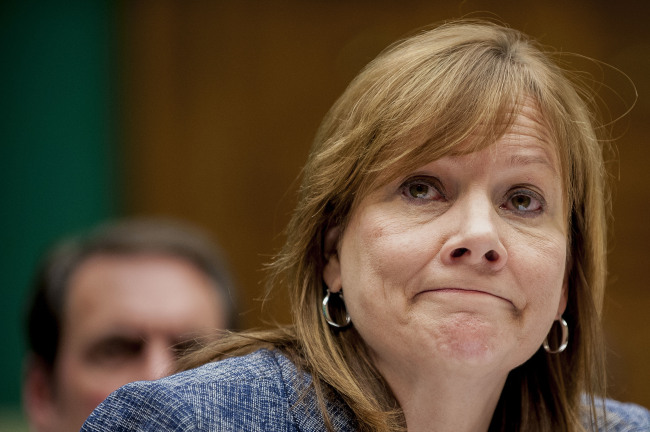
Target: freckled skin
column 458, row 282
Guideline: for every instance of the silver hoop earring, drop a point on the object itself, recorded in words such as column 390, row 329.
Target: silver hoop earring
column 565, row 339
column 326, row 311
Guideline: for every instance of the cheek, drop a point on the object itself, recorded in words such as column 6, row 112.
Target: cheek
column 379, row 261
column 80, row 388
column 379, row 249
column 540, row 271
column 85, row 384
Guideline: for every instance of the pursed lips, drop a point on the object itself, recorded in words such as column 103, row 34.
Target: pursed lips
column 467, row 291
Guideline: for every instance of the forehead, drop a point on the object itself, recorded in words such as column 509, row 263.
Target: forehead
column 527, row 141
column 139, row 292
column 524, row 135
column 510, row 152
column 524, row 128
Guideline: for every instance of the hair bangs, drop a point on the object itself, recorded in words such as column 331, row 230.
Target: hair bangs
column 428, row 112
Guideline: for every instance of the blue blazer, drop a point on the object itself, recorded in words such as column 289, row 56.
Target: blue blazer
column 257, row 392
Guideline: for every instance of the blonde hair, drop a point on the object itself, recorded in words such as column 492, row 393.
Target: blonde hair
column 418, row 101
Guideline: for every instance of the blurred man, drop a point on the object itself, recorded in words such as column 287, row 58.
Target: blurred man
column 118, row 306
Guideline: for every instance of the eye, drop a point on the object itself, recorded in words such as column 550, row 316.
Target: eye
column 115, row 350
column 524, row 201
column 423, row 189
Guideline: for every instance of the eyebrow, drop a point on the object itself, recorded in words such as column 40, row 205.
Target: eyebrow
column 527, row 159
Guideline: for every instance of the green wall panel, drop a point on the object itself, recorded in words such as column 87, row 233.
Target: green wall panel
column 57, row 158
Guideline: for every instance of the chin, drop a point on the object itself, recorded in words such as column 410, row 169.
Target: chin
column 467, row 350
column 472, row 342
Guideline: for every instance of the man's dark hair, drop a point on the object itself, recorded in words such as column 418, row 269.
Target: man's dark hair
column 121, row 238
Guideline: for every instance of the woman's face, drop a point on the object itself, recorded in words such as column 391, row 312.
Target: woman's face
column 460, row 264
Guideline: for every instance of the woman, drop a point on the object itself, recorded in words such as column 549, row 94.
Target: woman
column 455, row 193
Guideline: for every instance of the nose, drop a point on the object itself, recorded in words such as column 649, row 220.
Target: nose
column 159, row 361
column 475, row 239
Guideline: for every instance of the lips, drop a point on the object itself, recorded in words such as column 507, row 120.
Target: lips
column 467, row 291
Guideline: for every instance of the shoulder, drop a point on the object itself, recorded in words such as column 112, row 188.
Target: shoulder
column 260, row 365
column 622, row 417
column 240, row 393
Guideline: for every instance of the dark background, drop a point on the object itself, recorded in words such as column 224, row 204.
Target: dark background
column 205, row 110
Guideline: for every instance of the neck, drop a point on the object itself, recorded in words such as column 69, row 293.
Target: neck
column 444, row 402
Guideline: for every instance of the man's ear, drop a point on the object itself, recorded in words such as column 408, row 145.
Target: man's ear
column 38, row 396
column 332, row 269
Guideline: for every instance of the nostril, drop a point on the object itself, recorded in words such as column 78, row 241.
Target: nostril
column 458, row 252
column 492, row 255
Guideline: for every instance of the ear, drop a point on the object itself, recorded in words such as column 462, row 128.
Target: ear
column 332, row 270
column 564, row 299
column 38, row 396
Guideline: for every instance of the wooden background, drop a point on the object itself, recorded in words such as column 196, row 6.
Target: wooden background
column 221, row 99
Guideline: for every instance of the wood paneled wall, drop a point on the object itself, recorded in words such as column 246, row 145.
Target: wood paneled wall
column 221, row 100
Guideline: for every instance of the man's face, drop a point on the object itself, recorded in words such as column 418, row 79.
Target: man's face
column 122, row 318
